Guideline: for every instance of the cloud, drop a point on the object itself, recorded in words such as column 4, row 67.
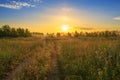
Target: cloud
column 10, row 6
column 16, row 5
column 38, row 1
column 84, row 28
column 117, row 18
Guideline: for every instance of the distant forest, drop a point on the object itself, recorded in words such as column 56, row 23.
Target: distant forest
column 76, row 34
column 7, row 31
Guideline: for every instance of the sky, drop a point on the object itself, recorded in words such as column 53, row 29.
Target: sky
column 49, row 16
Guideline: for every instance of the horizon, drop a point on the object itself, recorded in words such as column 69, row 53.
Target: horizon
column 53, row 16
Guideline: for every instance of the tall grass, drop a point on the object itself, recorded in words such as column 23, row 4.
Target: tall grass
column 90, row 60
column 71, row 59
column 13, row 52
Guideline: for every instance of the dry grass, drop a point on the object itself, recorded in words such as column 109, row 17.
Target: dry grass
column 68, row 59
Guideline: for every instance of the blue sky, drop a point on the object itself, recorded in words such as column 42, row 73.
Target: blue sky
column 78, row 14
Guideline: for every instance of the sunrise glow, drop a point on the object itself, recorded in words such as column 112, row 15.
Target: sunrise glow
column 65, row 28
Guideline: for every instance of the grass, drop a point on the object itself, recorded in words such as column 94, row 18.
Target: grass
column 90, row 60
column 71, row 59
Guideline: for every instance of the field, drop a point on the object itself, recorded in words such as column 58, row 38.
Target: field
column 59, row 59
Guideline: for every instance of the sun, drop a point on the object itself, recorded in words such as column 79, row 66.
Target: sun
column 65, row 28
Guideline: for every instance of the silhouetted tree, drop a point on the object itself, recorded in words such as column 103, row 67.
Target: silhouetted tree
column 76, row 34
column 13, row 32
column 7, row 31
column 27, row 33
column 1, row 32
column 81, row 34
column 21, row 32
column 105, row 34
column 114, row 33
column 69, row 34
column 58, row 35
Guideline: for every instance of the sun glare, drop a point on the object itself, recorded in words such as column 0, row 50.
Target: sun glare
column 65, row 28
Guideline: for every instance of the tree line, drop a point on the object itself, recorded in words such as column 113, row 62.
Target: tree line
column 105, row 34
column 97, row 34
column 7, row 31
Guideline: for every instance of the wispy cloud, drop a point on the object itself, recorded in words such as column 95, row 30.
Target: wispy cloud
column 16, row 5
column 38, row 1
column 83, row 28
column 9, row 6
column 117, row 18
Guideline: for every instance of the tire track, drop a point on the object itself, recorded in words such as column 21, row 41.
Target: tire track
column 27, row 59
column 54, row 73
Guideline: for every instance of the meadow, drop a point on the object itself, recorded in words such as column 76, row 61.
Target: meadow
column 35, row 58
column 59, row 39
